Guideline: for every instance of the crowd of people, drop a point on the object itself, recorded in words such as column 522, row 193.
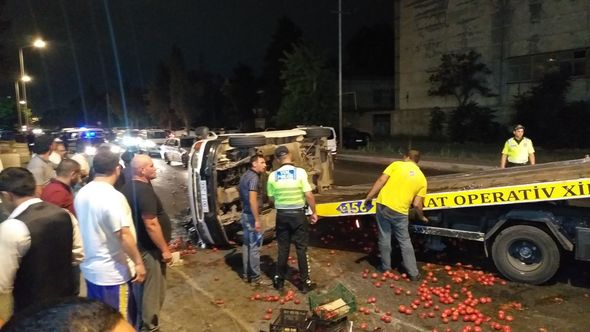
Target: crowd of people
column 117, row 239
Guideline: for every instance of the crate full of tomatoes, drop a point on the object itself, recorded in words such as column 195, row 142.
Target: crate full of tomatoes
column 332, row 305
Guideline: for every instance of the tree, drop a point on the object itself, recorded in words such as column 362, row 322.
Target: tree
column 240, row 89
column 8, row 116
column 283, row 41
column 371, row 51
column 548, row 117
column 179, row 88
column 309, row 89
column 461, row 76
column 159, row 98
column 4, row 26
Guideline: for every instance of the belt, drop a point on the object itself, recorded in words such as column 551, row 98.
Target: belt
column 291, row 211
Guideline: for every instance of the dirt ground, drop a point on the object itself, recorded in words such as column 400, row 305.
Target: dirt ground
column 207, row 294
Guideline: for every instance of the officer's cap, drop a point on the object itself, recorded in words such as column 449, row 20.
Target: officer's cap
column 518, row 126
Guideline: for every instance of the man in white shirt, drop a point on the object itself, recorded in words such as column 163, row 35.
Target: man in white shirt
column 112, row 261
column 58, row 152
column 40, row 165
column 38, row 246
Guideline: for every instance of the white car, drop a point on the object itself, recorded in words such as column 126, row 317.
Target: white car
column 177, row 149
column 216, row 164
column 152, row 139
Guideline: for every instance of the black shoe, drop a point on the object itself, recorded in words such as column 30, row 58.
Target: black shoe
column 278, row 283
column 307, row 286
column 417, row 277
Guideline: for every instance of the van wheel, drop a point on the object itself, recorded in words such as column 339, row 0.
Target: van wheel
column 526, row 254
column 247, row 141
column 185, row 160
column 166, row 159
column 317, row 132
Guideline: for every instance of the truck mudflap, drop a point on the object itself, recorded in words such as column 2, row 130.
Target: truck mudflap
column 583, row 243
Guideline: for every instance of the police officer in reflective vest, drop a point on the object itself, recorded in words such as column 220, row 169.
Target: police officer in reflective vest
column 518, row 150
column 289, row 188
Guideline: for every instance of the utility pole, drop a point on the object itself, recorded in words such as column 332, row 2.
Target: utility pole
column 18, row 105
column 341, row 132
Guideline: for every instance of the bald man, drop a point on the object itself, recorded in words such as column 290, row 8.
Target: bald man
column 153, row 234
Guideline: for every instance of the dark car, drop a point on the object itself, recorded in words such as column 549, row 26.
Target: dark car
column 354, row 139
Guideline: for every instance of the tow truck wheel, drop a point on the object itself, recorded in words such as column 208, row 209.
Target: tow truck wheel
column 247, row 141
column 526, row 254
column 317, row 132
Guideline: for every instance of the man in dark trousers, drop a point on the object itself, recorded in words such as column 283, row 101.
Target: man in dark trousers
column 36, row 244
column 251, row 198
column 289, row 188
column 153, row 234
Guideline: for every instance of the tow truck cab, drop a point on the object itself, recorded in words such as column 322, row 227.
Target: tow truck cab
column 216, row 164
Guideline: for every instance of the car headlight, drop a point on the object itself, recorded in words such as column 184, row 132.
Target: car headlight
column 116, row 149
column 130, row 141
column 90, row 150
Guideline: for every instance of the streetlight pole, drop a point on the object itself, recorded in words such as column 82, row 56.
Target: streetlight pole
column 340, row 141
column 38, row 43
column 21, row 60
column 18, row 110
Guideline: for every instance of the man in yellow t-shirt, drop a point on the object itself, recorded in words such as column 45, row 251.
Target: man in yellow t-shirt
column 401, row 186
column 518, row 150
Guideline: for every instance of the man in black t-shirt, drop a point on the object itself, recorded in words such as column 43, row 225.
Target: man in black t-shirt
column 153, row 234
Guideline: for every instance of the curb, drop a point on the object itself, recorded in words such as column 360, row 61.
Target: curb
column 438, row 165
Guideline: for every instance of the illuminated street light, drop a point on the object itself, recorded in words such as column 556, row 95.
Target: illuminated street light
column 22, row 102
column 37, row 43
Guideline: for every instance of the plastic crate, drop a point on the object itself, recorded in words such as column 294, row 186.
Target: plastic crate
column 290, row 320
column 339, row 291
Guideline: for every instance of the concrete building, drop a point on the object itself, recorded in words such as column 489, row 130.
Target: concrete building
column 368, row 104
column 518, row 41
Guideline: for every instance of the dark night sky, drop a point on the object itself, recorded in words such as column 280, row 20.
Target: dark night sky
column 221, row 32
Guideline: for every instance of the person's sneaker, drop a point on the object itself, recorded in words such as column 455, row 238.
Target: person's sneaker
column 259, row 281
column 245, row 279
column 307, row 286
column 417, row 277
column 278, row 283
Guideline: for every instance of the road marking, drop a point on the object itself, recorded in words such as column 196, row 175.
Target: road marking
column 246, row 326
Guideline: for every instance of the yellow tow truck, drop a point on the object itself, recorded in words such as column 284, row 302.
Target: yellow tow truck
column 525, row 217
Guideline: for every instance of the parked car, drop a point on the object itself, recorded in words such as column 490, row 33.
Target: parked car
column 74, row 137
column 177, row 149
column 354, row 139
column 152, row 139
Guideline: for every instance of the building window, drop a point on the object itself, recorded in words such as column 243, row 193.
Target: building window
column 377, row 96
column 573, row 63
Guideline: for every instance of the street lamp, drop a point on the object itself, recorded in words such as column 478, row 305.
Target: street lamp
column 38, row 43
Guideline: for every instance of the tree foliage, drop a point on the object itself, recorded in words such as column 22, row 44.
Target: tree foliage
column 310, row 93
column 548, row 117
column 460, row 75
column 159, row 98
column 463, row 76
column 240, row 90
column 179, row 88
column 8, row 117
column 283, row 40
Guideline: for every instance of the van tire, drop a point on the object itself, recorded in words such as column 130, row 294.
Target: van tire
column 247, row 141
column 526, row 254
column 317, row 132
column 166, row 159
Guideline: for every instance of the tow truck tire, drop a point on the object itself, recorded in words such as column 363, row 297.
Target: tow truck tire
column 526, row 254
column 247, row 141
column 317, row 132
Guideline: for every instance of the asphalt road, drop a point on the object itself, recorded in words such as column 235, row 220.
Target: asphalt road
column 206, row 293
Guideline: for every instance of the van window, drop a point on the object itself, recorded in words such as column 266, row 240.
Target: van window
column 156, row 134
